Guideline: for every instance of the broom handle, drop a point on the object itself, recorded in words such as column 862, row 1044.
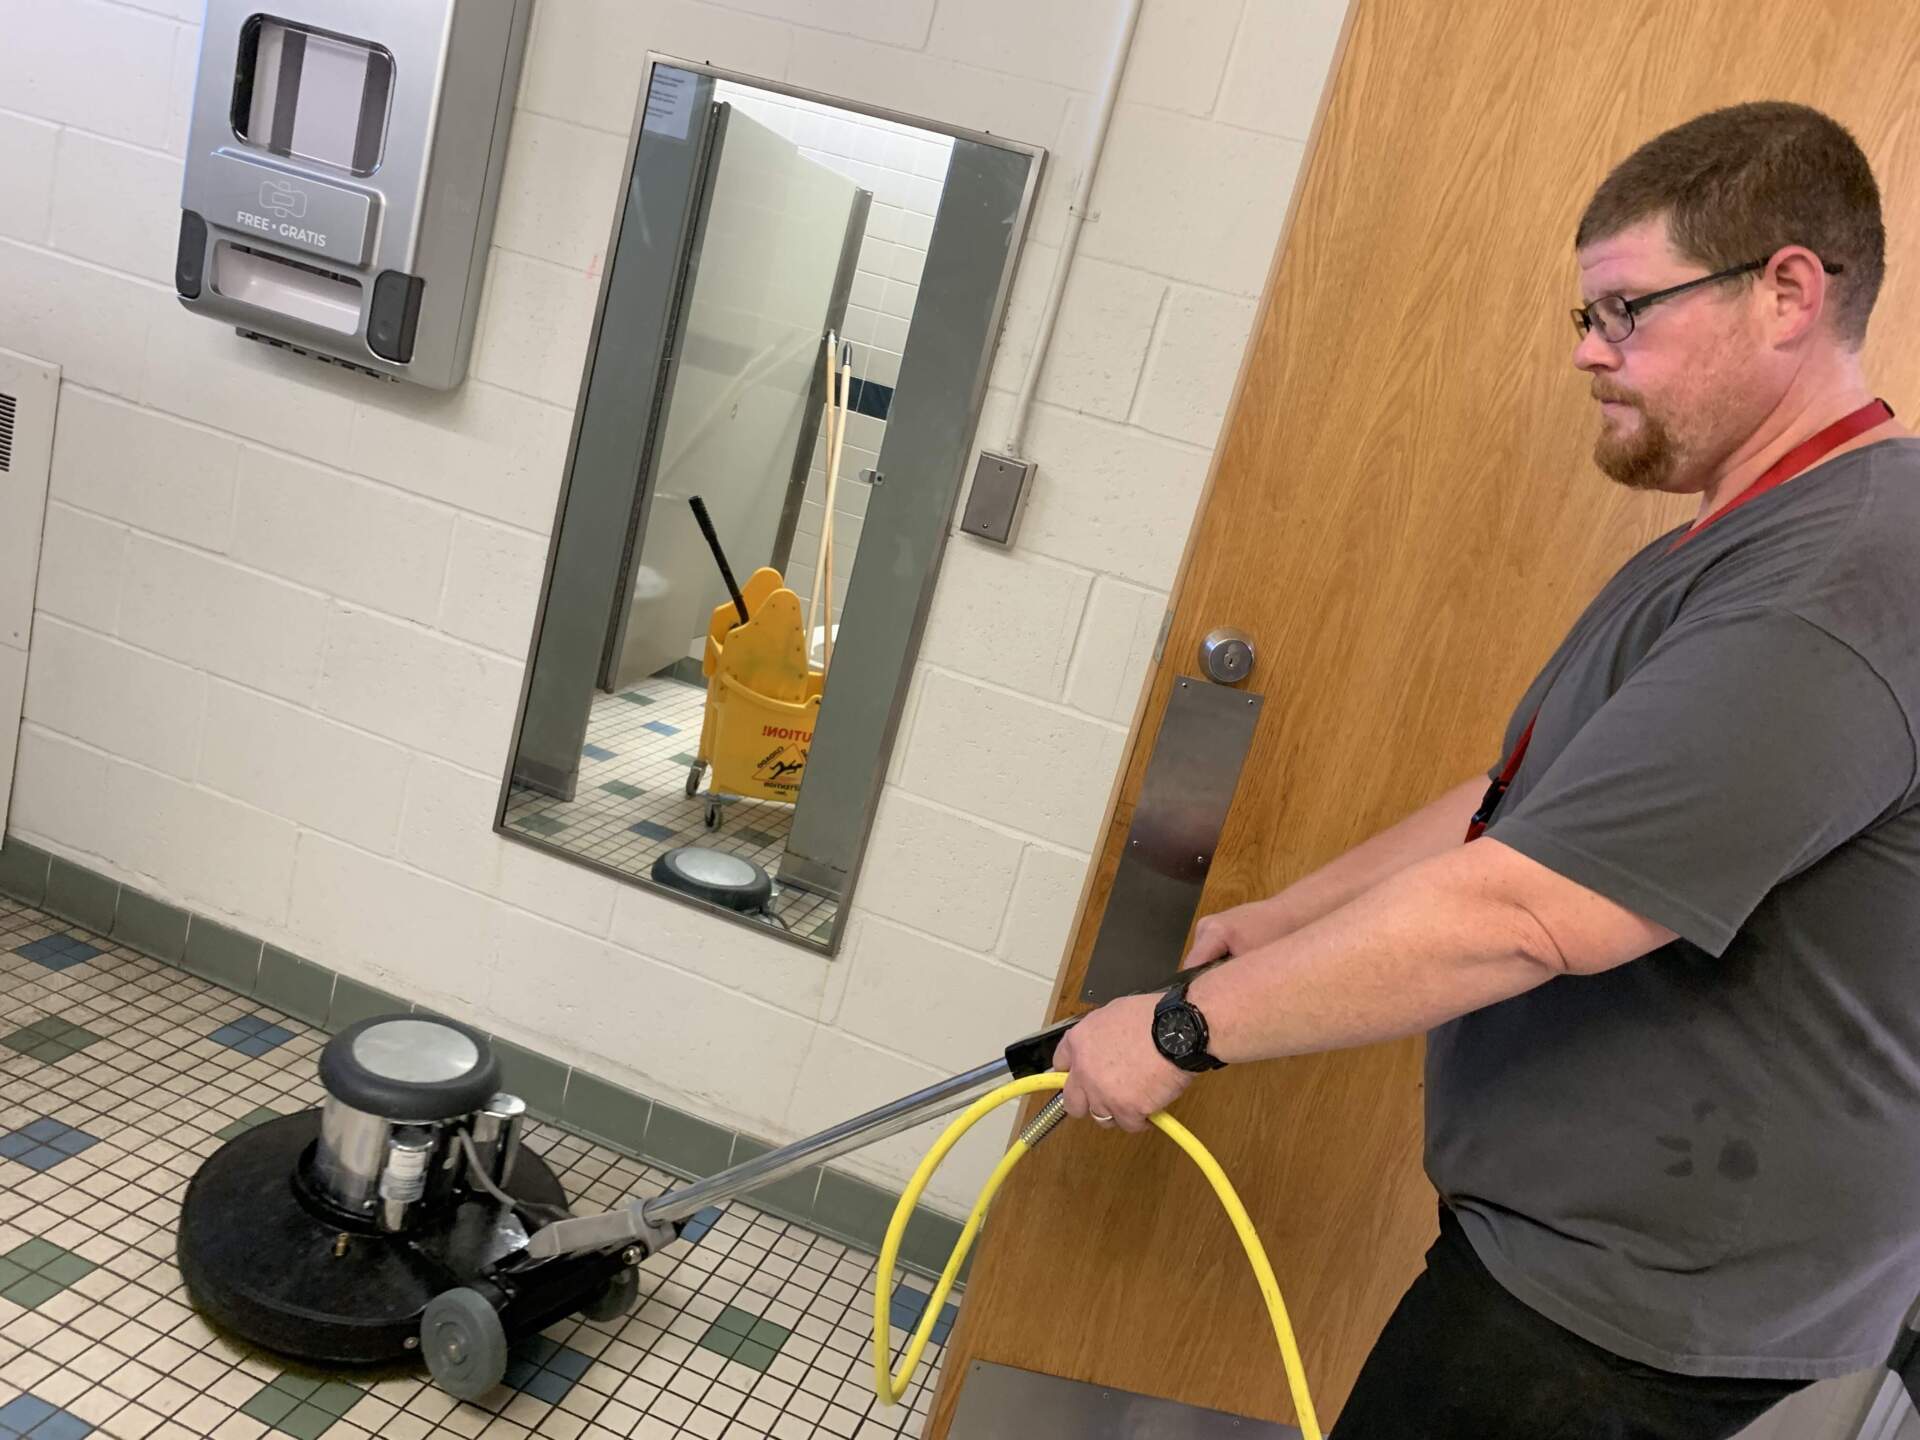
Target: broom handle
column 820, row 554
column 833, row 492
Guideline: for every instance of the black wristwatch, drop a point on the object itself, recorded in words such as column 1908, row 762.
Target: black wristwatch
column 1180, row 1032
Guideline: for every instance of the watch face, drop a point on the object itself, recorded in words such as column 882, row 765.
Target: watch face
column 1179, row 1037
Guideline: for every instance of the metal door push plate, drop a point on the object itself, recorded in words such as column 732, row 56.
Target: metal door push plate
column 1183, row 803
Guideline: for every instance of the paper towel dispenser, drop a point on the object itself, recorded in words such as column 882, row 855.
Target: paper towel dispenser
column 342, row 172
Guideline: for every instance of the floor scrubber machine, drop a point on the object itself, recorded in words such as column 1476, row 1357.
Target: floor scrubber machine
column 405, row 1218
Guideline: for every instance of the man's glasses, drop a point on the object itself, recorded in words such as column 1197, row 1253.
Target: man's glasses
column 1613, row 315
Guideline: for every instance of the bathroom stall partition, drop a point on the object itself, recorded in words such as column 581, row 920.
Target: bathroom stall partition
column 769, row 277
column 758, row 244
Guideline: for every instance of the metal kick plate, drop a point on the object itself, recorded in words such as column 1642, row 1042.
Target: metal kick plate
column 1183, row 803
column 1001, row 1403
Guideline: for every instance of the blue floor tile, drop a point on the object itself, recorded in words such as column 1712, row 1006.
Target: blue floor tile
column 594, row 752
column 908, row 1308
column 536, row 1350
column 251, row 1035
column 660, row 727
column 28, row 1417
column 61, row 1427
column 653, row 830
column 545, row 1369
column 44, row 1144
column 570, row 1363
column 943, row 1327
column 25, row 1412
column 57, row 952
column 548, row 1386
column 700, row 1224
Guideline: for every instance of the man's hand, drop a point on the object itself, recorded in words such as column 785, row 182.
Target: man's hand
column 1235, row 932
column 1114, row 1072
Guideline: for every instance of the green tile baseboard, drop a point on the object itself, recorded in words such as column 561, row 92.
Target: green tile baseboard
column 150, row 927
column 81, row 895
column 294, row 986
column 23, row 871
column 825, row 1200
column 219, row 954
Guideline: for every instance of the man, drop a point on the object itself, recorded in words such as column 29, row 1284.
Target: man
column 1673, row 1066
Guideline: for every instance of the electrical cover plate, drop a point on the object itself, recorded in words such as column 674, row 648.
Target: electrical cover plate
column 994, row 503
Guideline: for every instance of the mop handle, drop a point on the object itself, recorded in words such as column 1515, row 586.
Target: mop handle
column 720, row 556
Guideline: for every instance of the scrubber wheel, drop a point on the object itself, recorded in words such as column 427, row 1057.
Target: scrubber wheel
column 464, row 1343
column 617, row 1299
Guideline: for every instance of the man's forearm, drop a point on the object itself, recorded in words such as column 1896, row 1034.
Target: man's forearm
column 1422, row 947
column 1431, row 830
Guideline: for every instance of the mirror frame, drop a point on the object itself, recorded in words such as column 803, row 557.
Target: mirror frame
column 968, row 409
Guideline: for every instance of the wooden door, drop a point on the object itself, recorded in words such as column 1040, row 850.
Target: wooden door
column 1404, row 516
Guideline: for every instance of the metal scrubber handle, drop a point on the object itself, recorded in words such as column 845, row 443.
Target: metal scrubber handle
column 649, row 1220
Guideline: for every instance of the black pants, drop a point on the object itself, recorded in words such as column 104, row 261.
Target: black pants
column 1462, row 1359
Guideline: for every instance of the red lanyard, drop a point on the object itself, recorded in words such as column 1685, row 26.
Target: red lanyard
column 1498, row 789
column 1807, row 453
column 1803, row 456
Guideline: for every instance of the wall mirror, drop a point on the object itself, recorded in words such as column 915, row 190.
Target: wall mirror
column 786, row 368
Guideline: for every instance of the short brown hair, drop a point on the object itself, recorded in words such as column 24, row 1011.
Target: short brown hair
column 1740, row 183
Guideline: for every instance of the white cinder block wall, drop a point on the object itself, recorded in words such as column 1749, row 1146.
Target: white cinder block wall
column 283, row 610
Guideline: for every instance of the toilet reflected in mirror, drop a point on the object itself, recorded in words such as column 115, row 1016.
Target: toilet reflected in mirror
column 786, row 367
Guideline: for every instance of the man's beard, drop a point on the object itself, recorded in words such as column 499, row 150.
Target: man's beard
column 1644, row 459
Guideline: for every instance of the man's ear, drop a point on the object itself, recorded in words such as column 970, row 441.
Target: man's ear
column 1793, row 290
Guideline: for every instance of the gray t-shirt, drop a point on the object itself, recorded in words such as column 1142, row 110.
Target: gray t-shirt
column 1708, row 1160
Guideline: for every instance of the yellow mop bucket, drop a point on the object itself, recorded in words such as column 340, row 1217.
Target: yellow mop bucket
column 762, row 698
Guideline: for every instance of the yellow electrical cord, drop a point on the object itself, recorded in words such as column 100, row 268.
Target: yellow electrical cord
column 891, row 1387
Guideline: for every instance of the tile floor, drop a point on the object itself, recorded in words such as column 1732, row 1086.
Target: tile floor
column 631, row 805
column 118, row 1074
